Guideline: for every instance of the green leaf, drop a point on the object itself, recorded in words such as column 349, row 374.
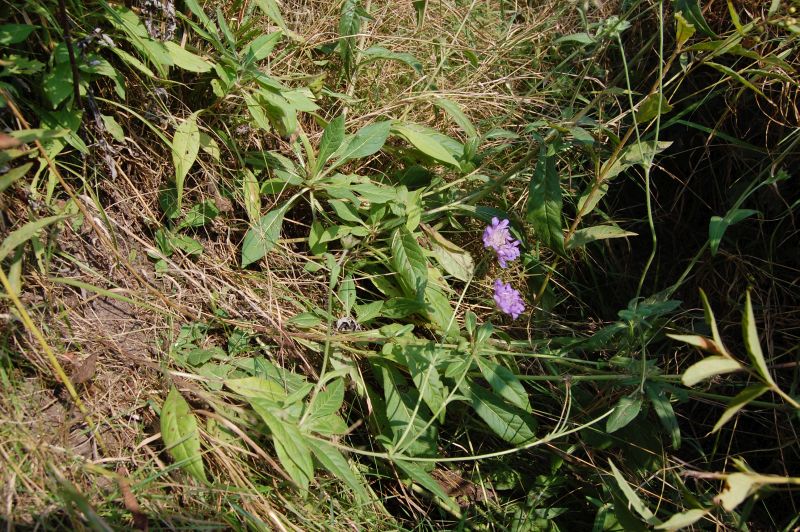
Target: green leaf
column 454, row 110
column 455, row 261
column 256, row 112
column 506, row 420
column 717, row 226
column 186, row 59
column 425, row 142
column 652, row 106
column 421, row 477
column 261, row 47
column 661, row 404
column 257, row 388
column 401, row 404
column 252, row 195
column 14, row 33
column 349, row 26
column 263, row 236
column 544, row 202
column 273, row 12
column 57, row 84
column 347, row 293
column 368, row 311
column 581, row 237
column 439, row 310
column 7, row 179
column 331, row 459
column 738, row 486
column 752, row 342
column 408, row 262
column 728, row 71
column 683, row 519
column 330, row 425
column 200, row 214
column 691, row 11
column 180, row 436
column 633, row 499
column 374, row 53
column 305, row 320
column 626, row 411
column 709, row 367
column 422, row 361
column 289, row 442
column 198, row 356
column 505, row 383
column 367, row 140
column 187, row 244
column 738, row 402
column 332, row 139
column 329, row 400
column 185, row 146
column 640, row 153
column 25, row 233
column 684, row 29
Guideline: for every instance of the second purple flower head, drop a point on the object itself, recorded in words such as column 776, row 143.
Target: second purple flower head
column 497, row 236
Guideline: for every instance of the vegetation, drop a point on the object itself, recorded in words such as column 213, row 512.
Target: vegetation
column 356, row 265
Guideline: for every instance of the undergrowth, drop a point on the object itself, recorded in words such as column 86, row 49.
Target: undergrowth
column 447, row 264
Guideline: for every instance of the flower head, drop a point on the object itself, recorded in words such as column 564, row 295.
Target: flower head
column 496, row 234
column 508, row 300
column 508, row 252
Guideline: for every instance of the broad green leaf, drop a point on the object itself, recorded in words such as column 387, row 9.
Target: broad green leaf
column 640, row 153
column 289, row 442
column 454, row 110
column 408, row 262
column 281, row 112
column 346, row 211
column 738, row 486
column 14, row 33
column 329, row 400
column 113, row 127
column 626, row 411
column 633, row 499
column 347, row 293
column 256, row 111
column 367, row 141
column 738, row 402
column 273, row 11
column 330, row 425
column 187, row 244
column 407, row 426
column 666, row 414
column 455, row 261
column 7, row 179
column 200, row 214
column 331, row 459
column 717, row 226
column 186, row 59
column 652, row 106
column 198, row 356
column 185, row 146
column 709, row 367
column 379, row 52
column 439, row 310
column 422, row 361
column 752, row 342
column 257, row 387
column 545, row 202
column 180, row 436
column 368, row 311
column 505, row 419
column 591, row 197
column 305, row 320
column 420, row 476
column 349, row 27
column 263, row 236
column 420, row 6
column 261, row 47
column 683, row 519
column 25, row 233
column 505, row 383
column 400, row 307
column 332, row 139
column 428, row 144
column 598, row 232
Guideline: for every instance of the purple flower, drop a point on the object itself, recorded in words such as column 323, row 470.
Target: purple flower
column 497, row 237
column 508, row 300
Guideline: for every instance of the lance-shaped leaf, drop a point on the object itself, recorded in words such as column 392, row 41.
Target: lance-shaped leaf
column 185, row 146
column 545, row 203
column 179, row 432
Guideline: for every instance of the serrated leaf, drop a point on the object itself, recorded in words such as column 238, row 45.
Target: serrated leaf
column 506, row 420
column 331, row 459
column 752, row 343
column 666, row 414
column 545, row 202
column 180, row 436
column 626, row 411
column 633, row 499
column 707, row 368
column 185, row 146
column 428, row 144
column 289, row 442
column 584, row 236
column 422, row 361
column 683, row 519
column 408, row 262
column 738, row 402
column 332, row 139
column 505, row 383
column 329, row 400
column 263, row 236
column 25, row 233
